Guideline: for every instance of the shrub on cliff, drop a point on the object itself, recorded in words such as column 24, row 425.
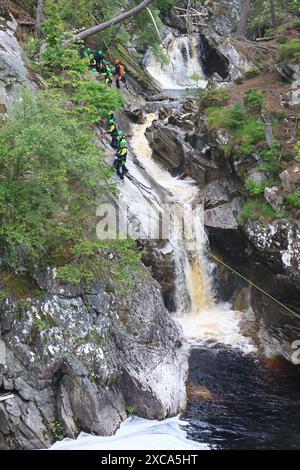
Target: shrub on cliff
column 293, row 199
column 52, row 178
column 254, row 99
column 50, row 171
column 290, row 52
column 271, row 157
column 256, row 209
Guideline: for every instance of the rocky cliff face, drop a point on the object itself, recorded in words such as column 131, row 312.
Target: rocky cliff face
column 266, row 253
column 79, row 359
column 13, row 73
column 82, row 357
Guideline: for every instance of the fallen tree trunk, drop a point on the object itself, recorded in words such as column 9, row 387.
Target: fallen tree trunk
column 107, row 24
column 268, row 38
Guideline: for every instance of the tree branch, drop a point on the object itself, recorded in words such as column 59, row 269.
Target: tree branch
column 107, row 24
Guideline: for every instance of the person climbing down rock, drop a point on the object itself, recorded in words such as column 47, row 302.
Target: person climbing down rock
column 120, row 161
column 120, row 137
column 100, row 61
column 92, row 62
column 86, row 52
column 108, row 76
column 119, row 73
column 113, row 131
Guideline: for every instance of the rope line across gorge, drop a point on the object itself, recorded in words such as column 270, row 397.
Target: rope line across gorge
column 291, row 312
column 218, row 260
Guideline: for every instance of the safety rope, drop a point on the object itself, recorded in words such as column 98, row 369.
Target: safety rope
column 250, row 282
column 130, row 177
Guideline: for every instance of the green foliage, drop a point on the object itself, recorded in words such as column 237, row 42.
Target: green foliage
column 32, row 46
column 20, row 286
column 3, row 295
column 255, row 189
column 293, row 6
column 270, row 157
column 138, row 30
column 249, row 135
column 165, row 6
column 57, row 430
column 296, row 24
column 239, row 80
column 252, row 72
column 258, row 210
column 41, row 325
column 95, row 100
column 213, row 97
column 298, row 151
column 290, row 51
column 116, row 260
column 282, row 39
column 293, row 199
column 50, row 173
column 254, row 99
column 247, row 130
column 130, row 410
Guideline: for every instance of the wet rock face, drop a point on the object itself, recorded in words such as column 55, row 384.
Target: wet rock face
column 81, row 357
column 159, row 257
column 266, row 253
column 176, row 147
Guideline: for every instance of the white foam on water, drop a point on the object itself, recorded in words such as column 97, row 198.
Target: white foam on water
column 137, row 434
column 183, row 63
column 217, row 325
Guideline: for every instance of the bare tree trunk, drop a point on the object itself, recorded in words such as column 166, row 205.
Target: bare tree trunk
column 39, row 17
column 107, row 24
column 245, row 10
column 273, row 14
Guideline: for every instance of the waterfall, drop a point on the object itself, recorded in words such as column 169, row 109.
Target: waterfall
column 186, row 228
column 183, row 55
column 201, row 319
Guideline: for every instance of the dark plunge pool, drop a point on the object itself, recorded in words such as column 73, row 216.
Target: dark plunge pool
column 239, row 401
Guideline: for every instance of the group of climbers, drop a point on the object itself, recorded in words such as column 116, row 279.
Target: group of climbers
column 97, row 62
column 119, row 143
column 106, row 71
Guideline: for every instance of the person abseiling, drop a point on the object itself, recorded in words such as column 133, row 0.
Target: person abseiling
column 92, row 62
column 120, row 161
column 113, row 131
column 99, row 58
column 119, row 73
column 120, row 137
column 108, row 76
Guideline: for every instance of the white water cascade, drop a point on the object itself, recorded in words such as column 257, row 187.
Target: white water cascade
column 183, row 63
column 201, row 319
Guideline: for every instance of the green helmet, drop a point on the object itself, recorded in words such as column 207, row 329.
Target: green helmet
column 85, row 54
column 88, row 49
column 123, row 143
column 111, row 121
column 120, row 133
column 100, row 52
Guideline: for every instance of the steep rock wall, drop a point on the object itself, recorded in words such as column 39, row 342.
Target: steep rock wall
column 77, row 359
